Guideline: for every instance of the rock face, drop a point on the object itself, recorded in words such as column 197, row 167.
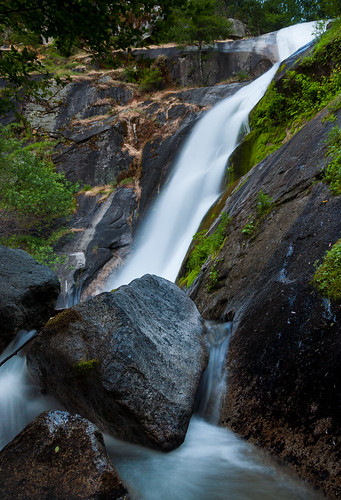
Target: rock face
column 100, row 240
column 60, row 456
column 283, row 364
column 226, row 59
column 28, row 293
column 130, row 361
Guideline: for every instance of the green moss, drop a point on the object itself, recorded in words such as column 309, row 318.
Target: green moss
column 332, row 173
column 327, row 277
column 61, row 322
column 205, row 245
column 84, row 368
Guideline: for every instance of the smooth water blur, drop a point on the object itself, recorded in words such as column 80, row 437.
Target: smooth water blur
column 212, row 464
column 213, row 382
column 20, row 399
column 195, row 184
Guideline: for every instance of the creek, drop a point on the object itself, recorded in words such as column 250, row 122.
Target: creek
column 212, row 463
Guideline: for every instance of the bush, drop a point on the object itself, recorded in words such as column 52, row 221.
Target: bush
column 31, row 191
column 33, row 198
column 151, row 79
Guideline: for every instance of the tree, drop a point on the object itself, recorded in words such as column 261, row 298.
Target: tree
column 198, row 22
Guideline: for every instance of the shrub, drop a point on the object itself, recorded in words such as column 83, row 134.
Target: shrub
column 151, row 79
column 33, row 198
column 264, row 203
column 31, row 191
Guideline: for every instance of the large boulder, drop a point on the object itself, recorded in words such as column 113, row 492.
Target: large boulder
column 28, row 293
column 129, row 361
column 58, row 456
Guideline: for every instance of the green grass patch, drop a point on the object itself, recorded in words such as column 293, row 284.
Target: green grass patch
column 327, row 277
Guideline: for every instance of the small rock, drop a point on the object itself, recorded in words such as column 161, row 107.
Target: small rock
column 58, row 456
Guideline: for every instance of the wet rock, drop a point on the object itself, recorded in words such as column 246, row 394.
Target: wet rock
column 283, row 371
column 28, row 293
column 101, row 239
column 58, row 456
column 130, row 361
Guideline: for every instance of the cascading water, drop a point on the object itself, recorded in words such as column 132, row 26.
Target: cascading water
column 212, row 462
column 197, row 176
column 20, row 399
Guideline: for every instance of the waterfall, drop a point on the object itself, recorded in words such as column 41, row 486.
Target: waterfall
column 195, row 184
column 212, row 462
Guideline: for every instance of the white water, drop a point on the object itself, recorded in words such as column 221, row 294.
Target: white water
column 212, row 464
column 197, row 176
column 20, row 399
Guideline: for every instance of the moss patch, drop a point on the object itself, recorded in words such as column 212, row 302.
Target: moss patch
column 327, row 277
column 332, row 173
column 62, row 321
column 205, row 245
column 84, row 368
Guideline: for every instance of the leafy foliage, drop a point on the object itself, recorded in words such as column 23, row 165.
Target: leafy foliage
column 264, row 203
column 199, row 22
column 327, row 277
column 98, row 26
column 262, row 16
column 33, row 197
column 249, row 227
column 30, row 187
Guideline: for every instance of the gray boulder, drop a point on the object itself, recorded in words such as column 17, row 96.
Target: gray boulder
column 130, row 361
column 61, row 456
column 28, row 293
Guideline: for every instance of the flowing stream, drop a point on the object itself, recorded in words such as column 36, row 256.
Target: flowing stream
column 212, row 463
